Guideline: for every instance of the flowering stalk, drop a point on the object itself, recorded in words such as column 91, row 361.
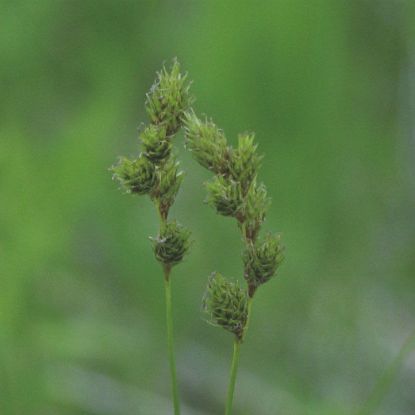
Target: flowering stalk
column 155, row 172
column 234, row 191
column 232, row 376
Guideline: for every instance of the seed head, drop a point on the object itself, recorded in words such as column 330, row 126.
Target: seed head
column 262, row 260
column 244, row 161
column 171, row 244
column 155, row 145
column 206, row 142
column 226, row 304
column 135, row 176
column 168, row 180
column 255, row 208
column 225, row 196
column 168, row 99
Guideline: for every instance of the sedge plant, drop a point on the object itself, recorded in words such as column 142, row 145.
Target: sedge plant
column 156, row 173
column 234, row 191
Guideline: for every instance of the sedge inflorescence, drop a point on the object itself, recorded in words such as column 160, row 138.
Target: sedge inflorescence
column 235, row 191
column 226, row 304
column 156, row 171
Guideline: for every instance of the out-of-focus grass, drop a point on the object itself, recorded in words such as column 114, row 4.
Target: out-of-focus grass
column 328, row 88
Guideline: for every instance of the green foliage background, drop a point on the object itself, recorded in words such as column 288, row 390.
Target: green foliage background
column 329, row 89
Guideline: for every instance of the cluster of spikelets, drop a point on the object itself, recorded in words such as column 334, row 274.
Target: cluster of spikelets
column 234, row 191
column 156, row 172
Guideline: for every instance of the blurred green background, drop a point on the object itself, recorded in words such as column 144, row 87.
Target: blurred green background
column 329, row 89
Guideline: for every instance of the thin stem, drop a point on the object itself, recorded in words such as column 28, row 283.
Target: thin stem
column 170, row 341
column 248, row 318
column 232, row 379
column 169, row 321
column 386, row 380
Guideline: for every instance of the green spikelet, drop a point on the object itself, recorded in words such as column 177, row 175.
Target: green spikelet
column 207, row 143
column 168, row 99
column 168, row 180
column 171, row 244
column 262, row 260
column 244, row 161
column 255, row 209
column 225, row 196
column 156, row 146
column 226, row 304
column 135, row 176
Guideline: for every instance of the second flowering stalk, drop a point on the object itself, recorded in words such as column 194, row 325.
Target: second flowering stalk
column 234, row 191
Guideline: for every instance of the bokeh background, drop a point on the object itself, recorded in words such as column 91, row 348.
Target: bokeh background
column 329, row 89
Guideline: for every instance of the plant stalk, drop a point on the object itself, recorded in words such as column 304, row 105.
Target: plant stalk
column 170, row 341
column 232, row 379
column 248, row 318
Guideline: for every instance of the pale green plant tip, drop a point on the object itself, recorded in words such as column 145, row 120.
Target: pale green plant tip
column 244, row 161
column 209, row 147
column 226, row 304
column 206, row 142
column 168, row 99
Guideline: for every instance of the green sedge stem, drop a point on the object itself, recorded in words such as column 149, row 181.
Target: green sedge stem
column 386, row 380
column 169, row 325
column 232, row 380
column 236, row 349
column 248, row 318
column 170, row 342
